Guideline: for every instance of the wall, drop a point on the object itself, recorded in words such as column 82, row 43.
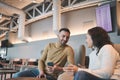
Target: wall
column 77, row 21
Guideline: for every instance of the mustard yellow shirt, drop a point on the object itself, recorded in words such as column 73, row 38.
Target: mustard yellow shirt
column 56, row 53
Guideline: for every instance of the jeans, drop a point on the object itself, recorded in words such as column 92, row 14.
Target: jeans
column 82, row 75
column 31, row 73
column 27, row 73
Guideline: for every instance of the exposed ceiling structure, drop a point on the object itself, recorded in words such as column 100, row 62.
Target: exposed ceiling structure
column 34, row 8
column 7, row 16
column 20, row 4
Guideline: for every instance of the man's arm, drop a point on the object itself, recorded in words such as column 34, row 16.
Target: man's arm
column 41, row 62
column 70, row 59
column 70, row 55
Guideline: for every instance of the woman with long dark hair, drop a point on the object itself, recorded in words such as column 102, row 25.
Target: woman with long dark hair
column 103, row 57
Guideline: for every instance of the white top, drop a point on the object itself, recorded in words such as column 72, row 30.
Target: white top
column 104, row 63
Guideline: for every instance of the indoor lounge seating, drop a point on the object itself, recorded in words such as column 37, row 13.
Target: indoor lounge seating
column 85, row 61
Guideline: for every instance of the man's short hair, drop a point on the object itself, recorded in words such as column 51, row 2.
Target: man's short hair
column 64, row 29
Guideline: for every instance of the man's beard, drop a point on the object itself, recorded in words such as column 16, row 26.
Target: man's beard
column 63, row 43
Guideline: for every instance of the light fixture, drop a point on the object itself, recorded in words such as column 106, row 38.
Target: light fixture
column 37, row 1
column 0, row 16
column 34, row 1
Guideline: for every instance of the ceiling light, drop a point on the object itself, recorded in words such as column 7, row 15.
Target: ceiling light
column 0, row 16
column 33, row 1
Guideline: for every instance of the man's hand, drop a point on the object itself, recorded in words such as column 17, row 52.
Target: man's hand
column 51, row 69
column 41, row 75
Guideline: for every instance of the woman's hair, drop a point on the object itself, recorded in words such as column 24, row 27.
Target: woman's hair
column 99, row 37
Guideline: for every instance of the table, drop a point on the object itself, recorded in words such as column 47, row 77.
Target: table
column 4, row 71
column 26, row 78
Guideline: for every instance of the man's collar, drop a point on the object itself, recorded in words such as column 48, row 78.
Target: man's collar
column 58, row 44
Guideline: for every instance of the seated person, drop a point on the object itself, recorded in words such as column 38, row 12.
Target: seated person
column 59, row 53
column 103, row 57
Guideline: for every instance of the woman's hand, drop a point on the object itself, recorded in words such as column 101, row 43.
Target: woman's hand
column 71, row 68
column 58, row 68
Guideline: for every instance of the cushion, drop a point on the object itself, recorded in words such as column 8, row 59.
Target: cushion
column 116, row 74
column 117, row 47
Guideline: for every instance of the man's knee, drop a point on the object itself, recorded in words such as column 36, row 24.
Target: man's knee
column 27, row 73
column 18, row 74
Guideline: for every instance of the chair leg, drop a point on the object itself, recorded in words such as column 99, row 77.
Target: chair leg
column 1, row 76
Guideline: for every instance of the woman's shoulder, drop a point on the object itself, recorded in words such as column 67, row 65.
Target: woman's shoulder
column 107, row 46
column 107, row 49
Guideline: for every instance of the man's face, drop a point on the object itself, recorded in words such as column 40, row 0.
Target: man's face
column 63, row 37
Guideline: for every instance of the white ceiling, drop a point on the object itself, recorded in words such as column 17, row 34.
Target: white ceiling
column 20, row 3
